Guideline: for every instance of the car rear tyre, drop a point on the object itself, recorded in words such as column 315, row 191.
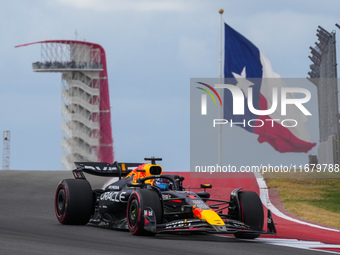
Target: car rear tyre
column 251, row 213
column 74, row 202
column 139, row 200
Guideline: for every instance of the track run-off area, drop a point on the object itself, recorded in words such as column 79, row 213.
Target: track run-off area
column 28, row 224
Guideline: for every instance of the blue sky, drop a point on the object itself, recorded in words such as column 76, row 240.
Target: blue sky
column 153, row 48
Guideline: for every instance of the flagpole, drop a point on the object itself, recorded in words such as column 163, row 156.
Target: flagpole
column 221, row 90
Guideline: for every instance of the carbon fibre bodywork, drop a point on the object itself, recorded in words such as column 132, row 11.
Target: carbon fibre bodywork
column 181, row 210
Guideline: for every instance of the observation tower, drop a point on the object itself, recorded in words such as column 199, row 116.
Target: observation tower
column 86, row 109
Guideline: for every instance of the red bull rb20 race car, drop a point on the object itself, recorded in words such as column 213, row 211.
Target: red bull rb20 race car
column 147, row 202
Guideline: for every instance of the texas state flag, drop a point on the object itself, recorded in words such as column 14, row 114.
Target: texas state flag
column 248, row 67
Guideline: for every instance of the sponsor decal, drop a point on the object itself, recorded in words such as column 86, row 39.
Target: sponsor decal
column 166, row 196
column 113, row 187
column 148, row 213
column 98, row 168
column 200, row 204
column 178, row 224
column 114, row 196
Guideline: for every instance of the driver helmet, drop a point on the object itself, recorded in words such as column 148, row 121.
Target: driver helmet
column 162, row 183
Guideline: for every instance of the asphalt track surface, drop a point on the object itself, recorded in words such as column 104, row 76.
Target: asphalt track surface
column 28, row 226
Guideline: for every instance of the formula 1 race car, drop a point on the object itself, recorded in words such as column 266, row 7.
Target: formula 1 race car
column 148, row 202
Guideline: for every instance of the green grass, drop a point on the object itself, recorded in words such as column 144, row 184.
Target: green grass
column 313, row 199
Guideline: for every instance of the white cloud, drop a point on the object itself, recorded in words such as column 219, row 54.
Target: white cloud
column 128, row 5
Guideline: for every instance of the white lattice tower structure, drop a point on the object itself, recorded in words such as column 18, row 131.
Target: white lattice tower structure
column 6, row 153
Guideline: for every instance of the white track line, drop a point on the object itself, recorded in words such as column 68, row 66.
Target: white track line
column 294, row 243
column 264, row 195
column 297, row 243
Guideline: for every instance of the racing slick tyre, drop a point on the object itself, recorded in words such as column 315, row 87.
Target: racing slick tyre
column 251, row 213
column 74, row 202
column 138, row 201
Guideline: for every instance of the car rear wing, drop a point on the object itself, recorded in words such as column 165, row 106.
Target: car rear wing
column 103, row 169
